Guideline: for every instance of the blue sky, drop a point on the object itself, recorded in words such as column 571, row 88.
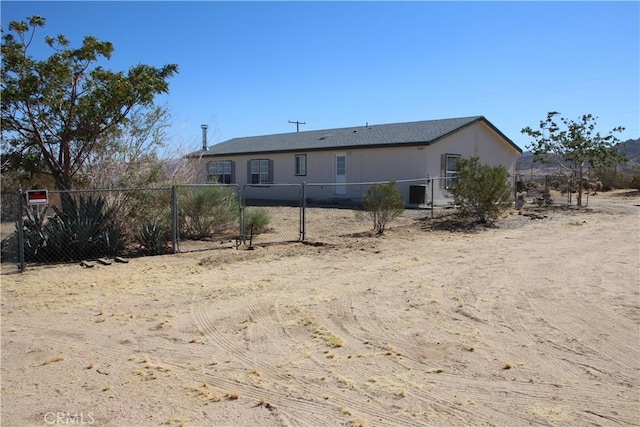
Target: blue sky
column 247, row 68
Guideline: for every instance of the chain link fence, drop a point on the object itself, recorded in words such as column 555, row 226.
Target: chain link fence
column 107, row 225
column 272, row 213
column 9, row 206
column 207, row 217
column 544, row 190
column 335, row 209
column 66, row 226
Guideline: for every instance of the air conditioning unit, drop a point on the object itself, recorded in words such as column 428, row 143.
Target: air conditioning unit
column 418, row 194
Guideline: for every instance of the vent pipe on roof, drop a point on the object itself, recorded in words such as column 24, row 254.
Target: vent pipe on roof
column 204, row 137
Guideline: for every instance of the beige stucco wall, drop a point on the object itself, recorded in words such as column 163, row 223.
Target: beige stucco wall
column 377, row 164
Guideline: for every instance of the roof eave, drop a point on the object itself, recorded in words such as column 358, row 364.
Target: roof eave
column 310, row 149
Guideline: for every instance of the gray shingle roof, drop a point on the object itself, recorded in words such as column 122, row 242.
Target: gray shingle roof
column 410, row 133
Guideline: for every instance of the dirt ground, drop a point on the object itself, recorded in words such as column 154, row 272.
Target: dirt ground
column 536, row 322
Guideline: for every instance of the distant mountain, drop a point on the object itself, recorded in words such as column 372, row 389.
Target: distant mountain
column 631, row 149
column 526, row 164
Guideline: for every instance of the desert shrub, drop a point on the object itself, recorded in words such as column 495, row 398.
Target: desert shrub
column 383, row 203
column 481, row 192
column 611, row 178
column 555, row 182
column 154, row 238
column 256, row 221
column 207, row 211
column 142, row 206
column 83, row 228
column 634, row 181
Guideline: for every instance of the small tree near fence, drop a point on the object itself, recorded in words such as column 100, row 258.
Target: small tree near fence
column 481, row 192
column 383, row 203
column 574, row 144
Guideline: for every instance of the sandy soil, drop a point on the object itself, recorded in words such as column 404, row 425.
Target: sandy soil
column 534, row 324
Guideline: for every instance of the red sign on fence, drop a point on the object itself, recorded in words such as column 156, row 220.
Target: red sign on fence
column 37, row 197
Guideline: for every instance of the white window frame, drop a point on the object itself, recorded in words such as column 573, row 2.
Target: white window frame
column 301, row 164
column 261, row 168
column 220, row 168
column 451, row 170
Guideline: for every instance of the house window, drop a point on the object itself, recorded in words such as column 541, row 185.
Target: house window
column 341, row 165
column 451, row 170
column 301, row 164
column 260, row 171
column 220, row 171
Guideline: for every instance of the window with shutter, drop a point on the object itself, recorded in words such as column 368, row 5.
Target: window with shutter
column 260, row 171
column 220, row 171
column 449, row 169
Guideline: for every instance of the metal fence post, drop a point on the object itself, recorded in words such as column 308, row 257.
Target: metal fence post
column 303, row 207
column 174, row 212
column 20, row 233
column 240, row 198
column 432, row 201
column 242, row 194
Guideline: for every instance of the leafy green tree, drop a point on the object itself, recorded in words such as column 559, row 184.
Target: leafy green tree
column 55, row 112
column 383, row 203
column 481, row 191
column 574, row 144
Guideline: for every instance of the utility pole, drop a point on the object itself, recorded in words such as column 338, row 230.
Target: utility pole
column 298, row 124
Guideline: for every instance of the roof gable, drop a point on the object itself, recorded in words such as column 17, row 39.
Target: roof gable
column 395, row 134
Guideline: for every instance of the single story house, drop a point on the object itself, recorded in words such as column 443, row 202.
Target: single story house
column 421, row 150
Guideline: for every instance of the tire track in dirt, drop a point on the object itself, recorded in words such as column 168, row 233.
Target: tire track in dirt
column 179, row 370
column 117, row 354
column 353, row 317
column 199, row 312
column 572, row 380
column 62, row 337
column 301, row 405
column 274, row 334
column 415, row 365
column 369, row 328
column 351, row 300
column 508, row 392
column 589, row 333
column 513, row 311
column 523, row 332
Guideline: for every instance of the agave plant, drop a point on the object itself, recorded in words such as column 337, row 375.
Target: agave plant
column 33, row 229
column 81, row 229
column 153, row 238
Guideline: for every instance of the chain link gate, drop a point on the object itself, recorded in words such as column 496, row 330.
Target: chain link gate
column 272, row 213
